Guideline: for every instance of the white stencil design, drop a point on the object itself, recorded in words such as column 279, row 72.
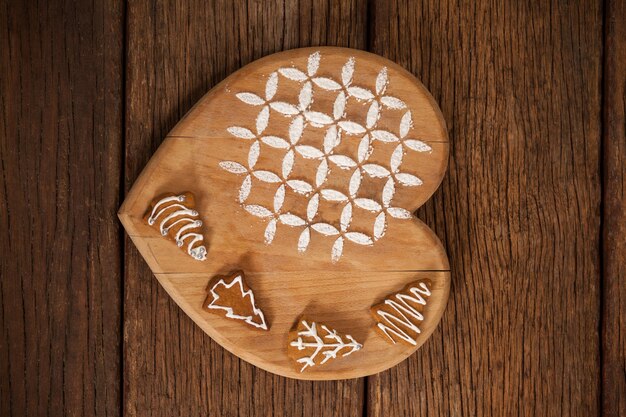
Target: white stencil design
column 336, row 128
column 329, row 345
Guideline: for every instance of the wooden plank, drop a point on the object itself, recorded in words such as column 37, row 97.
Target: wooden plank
column 519, row 85
column 614, row 213
column 60, row 154
column 171, row 366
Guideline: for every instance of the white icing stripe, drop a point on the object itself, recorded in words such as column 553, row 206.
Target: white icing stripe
column 152, row 217
column 177, row 213
column 162, row 206
column 196, row 237
column 184, row 219
column 191, row 225
column 257, row 313
column 164, row 209
column 398, row 323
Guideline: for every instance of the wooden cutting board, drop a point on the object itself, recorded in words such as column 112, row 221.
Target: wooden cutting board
column 306, row 167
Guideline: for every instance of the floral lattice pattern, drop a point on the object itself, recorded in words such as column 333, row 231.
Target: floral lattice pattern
column 336, row 127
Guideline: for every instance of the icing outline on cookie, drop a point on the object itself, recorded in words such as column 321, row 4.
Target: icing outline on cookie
column 238, row 279
column 186, row 215
column 406, row 317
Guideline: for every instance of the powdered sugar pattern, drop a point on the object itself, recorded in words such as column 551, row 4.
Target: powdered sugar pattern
column 336, row 126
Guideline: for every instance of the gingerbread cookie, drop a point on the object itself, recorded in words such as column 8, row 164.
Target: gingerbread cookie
column 175, row 217
column 231, row 297
column 314, row 343
column 400, row 315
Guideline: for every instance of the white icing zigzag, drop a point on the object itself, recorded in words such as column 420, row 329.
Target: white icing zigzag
column 185, row 215
column 257, row 313
column 406, row 316
column 336, row 127
column 329, row 350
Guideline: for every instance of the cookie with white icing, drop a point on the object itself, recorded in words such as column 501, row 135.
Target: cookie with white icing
column 231, row 297
column 313, row 344
column 175, row 217
column 400, row 315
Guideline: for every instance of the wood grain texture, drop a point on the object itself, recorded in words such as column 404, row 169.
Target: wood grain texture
column 171, row 366
column 60, row 154
column 519, row 86
column 614, row 213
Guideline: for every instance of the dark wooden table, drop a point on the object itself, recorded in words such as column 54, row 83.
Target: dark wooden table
column 532, row 210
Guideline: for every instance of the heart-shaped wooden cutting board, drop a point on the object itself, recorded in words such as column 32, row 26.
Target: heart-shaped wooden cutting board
column 303, row 170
